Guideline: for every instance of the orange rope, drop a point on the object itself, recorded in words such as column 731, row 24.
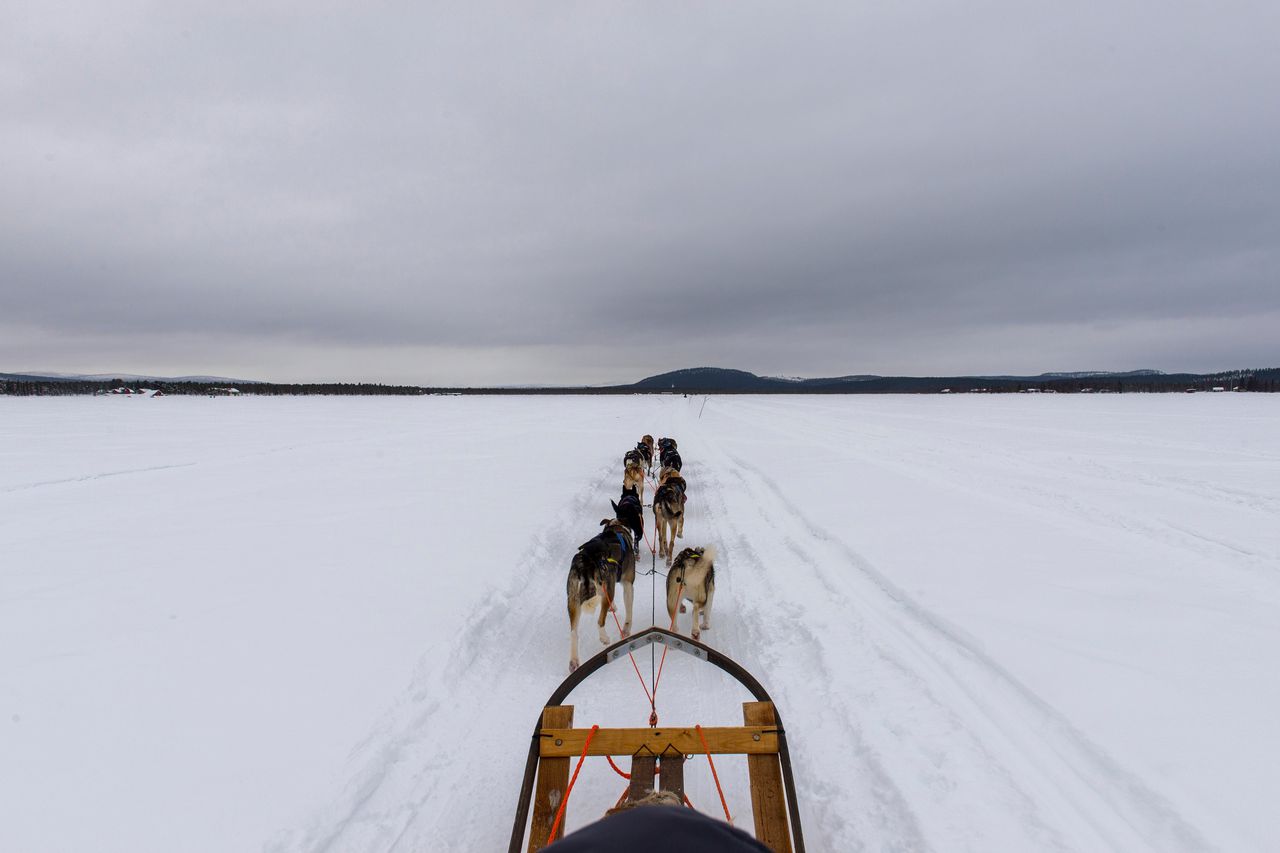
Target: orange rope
column 714, row 775
column 608, row 603
column 620, row 771
column 653, row 720
column 569, row 790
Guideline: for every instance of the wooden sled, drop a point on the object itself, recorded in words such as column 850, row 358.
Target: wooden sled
column 555, row 744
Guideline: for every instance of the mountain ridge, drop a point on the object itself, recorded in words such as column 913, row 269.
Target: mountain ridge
column 729, row 380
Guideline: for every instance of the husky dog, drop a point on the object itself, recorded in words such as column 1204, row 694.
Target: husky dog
column 633, row 473
column 600, row 563
column 647, row 441
column 646, row 453
column 665, row 446
column 630, row 512
column 693, row 576
column 668, row 457
column 676, row 479
column 668, row 511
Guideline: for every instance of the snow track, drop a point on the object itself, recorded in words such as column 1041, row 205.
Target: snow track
column 906, row 734
column 988, row 623
column 459, row 736
column 933, row 720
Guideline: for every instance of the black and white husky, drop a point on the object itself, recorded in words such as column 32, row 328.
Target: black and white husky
column 668, row 456
column 600, row 563
column 630, row 512
column 693, row 576
column 646, row 453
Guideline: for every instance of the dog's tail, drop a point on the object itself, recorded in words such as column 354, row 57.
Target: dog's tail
column 709, row 553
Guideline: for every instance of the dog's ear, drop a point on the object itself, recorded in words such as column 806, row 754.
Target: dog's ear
column 604, row 522
column 614, row 505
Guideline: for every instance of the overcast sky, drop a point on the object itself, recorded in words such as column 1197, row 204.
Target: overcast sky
column 599, row 191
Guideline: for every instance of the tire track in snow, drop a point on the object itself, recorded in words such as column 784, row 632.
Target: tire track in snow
column 939, row 729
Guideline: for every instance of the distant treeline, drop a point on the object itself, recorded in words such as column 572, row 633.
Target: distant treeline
column 62, row 387
column 1256, row 380
column 1262, row 380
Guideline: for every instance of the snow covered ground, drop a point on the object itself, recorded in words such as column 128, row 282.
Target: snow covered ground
column 302, row 624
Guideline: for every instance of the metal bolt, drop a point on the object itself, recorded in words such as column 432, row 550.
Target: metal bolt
column 756, row 736
column 559, row 742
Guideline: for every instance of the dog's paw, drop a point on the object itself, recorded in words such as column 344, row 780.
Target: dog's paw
column 695, row 634
column 683, row 609
column 573, row 664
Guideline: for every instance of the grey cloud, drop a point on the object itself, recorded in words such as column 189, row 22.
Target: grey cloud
column 504, row 188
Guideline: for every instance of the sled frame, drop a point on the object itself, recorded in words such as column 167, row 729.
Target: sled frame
column 761, row 738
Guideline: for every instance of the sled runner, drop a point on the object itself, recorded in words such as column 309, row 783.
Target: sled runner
column 556, row 744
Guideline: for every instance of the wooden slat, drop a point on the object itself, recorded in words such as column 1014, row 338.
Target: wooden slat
column 553, row 778
column 768, row 800
column 641, row 775
column 724, row 740
column 671, row 772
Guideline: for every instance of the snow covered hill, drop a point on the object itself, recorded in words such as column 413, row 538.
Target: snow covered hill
column 303, row 624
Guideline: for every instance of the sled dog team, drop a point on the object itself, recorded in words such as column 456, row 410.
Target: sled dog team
column 610, row 556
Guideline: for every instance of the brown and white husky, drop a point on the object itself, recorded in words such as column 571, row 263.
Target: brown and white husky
column 668, row 511
column 693, row 576
column 633, row 475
